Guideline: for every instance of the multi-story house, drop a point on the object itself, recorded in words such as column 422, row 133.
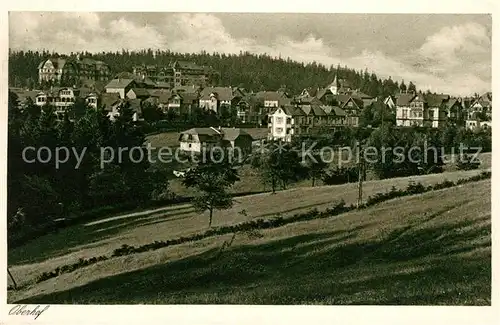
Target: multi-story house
column 60, row 98
column 92, row 100
column 326, row 96
column 120, row 86
column 410, row 110
column 455, row 112
column 436, row 111
column 427, row 110
column 182, row 102
column 352, row 108
column 212, row 98
column 140, row 93
column 281, row 123
column 307, row 119
column 67, row 71
column 90, row 69
column 482, row 105
column 196, row 140
column 309, row 92
column 178, row 73
column 339, row 86
column 272, row 99
column 58, row 71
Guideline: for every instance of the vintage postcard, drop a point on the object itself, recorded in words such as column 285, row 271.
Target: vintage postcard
column 249, row 165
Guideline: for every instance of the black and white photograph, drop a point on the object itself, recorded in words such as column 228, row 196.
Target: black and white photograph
column 248, row 158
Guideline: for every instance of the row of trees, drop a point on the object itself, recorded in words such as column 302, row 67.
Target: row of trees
column 251, row 71
column 39, row 191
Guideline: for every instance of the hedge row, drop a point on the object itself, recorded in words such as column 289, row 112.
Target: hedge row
column 70, row 268
column 339, row 208
column 418, row 188
column 245, row 226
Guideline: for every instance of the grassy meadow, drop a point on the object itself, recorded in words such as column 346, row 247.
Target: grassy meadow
column 433, row 248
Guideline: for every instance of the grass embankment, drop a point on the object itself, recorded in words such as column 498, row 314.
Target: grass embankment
column 432, row 248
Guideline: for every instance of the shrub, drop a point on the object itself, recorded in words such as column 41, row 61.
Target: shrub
column 466, row 162
column 415, row 188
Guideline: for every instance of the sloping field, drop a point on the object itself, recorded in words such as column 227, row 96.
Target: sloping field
column 101, row 237
column 432, row 248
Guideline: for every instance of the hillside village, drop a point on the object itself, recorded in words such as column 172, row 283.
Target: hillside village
column 277, row 227
column 182, row 88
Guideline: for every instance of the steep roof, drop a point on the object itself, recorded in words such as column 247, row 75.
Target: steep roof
column 361, row 95
column 335, row 110
column 452, row 102
column 404, row 99
column 119, row 83
column 433, row 100
column 318, row 110
column 161, row 94
column 322, row 92
column 488, row 96
column 147, row 82
column 289, row 110
column 357, row 101
column 109, row 99
column 306, row 109
column 57, row 62
column 311, row 91
column 271, row 96
column 232, row 134
column 188, row 89
column 205, row 131
column 222, row 93
column 140, row 92
column 189, row 96
column 23, row 95
column 309, row 100
column 343, row 98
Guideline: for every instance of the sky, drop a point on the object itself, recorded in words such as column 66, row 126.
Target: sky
column 448, row 53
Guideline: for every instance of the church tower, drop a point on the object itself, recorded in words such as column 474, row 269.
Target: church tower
column 334, row 86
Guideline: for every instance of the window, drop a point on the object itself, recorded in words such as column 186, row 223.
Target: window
column 288, row 120
column 405, row 113
column 279, row 120
column 279, row 130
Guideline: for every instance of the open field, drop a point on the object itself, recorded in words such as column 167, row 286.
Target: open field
column 432, row 248
column 102, row 236
column 252, row 182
